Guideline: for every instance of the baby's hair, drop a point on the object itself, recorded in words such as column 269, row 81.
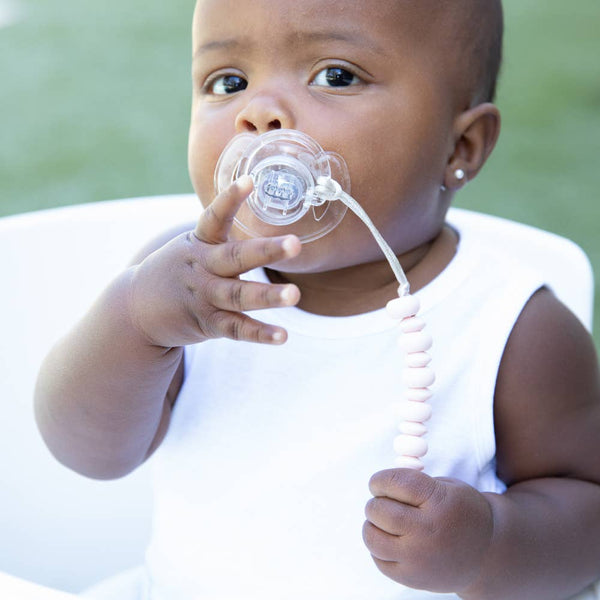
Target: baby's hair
column 469, row 33
column 485, row 47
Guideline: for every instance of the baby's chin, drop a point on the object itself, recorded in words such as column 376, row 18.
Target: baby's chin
column 316, row 256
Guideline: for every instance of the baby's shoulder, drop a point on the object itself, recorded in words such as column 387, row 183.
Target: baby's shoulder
column 547, row 399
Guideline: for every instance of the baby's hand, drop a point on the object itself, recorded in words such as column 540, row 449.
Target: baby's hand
column 189, row 291
column 427, row 533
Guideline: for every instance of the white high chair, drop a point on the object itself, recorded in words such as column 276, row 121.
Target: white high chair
column 56, row 527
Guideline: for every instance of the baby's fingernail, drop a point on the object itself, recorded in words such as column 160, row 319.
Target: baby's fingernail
column 287, row 294
column 289, row 245
column 278, row 337
column 244, row 182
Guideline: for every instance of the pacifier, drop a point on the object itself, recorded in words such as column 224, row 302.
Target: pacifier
column 286, row 167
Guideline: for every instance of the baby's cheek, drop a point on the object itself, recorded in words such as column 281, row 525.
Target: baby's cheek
column 201, row 166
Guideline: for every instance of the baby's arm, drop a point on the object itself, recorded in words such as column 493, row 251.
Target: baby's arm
column 540, row 539
column 104, row 393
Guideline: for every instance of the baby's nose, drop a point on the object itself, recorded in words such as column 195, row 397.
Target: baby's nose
column 264, row 113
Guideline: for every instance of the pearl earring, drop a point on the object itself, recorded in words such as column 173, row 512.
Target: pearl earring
column 459, row 174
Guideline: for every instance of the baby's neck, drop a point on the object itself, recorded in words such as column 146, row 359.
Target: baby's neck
column 363, row 288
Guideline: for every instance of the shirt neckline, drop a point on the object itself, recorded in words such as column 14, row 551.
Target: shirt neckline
column 373, row 322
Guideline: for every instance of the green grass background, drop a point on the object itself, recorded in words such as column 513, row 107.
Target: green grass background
column 94, row 105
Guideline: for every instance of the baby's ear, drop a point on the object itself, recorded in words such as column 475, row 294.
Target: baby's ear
column 475, row 133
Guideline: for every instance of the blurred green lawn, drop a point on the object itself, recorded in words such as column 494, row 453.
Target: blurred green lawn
column 94, row 101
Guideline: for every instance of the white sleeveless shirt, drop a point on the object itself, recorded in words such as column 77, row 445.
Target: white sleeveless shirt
column 262, row 480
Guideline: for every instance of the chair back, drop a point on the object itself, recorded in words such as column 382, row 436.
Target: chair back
column 58, row 528
column 562, row 263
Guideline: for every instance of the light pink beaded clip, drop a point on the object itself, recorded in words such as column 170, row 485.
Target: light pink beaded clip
column 413, row 411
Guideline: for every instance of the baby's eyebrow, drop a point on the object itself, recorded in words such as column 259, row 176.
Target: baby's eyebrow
column 300, row 38
column 355, row 38
column 226, row 44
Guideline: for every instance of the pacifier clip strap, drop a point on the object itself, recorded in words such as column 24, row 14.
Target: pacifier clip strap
column 413, row 411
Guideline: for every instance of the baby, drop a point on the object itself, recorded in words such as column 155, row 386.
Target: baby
column 264, row 451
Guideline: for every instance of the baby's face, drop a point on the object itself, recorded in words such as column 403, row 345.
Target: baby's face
column 365, row 79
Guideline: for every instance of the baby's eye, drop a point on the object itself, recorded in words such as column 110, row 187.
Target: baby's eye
column 335, row 77
column 226, row 84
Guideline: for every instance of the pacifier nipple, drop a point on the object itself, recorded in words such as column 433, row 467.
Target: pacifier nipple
column 286, row 167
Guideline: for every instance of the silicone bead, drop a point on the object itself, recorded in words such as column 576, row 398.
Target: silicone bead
column 418, row 394
column 418, row 341
column 417, row 375
column 414, row 411
column 411, row 324
column 409, row 462
column 417, row 359
column 418, row 378
column 400, row 308
column 409, row 445
column 412, row 428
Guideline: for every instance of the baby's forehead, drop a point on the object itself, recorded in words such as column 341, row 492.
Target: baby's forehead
column 387, row 19
column 453, row 34
column 430, row 20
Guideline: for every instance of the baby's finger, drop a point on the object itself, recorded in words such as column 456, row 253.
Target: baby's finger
column 404, row 485
column 381, row 544
column 237, row 295
column 234, row 258
column 391, row 516
column 216, row 219
column 241, row 327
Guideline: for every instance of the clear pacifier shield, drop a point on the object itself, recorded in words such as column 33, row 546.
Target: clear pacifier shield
column 285, row 166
